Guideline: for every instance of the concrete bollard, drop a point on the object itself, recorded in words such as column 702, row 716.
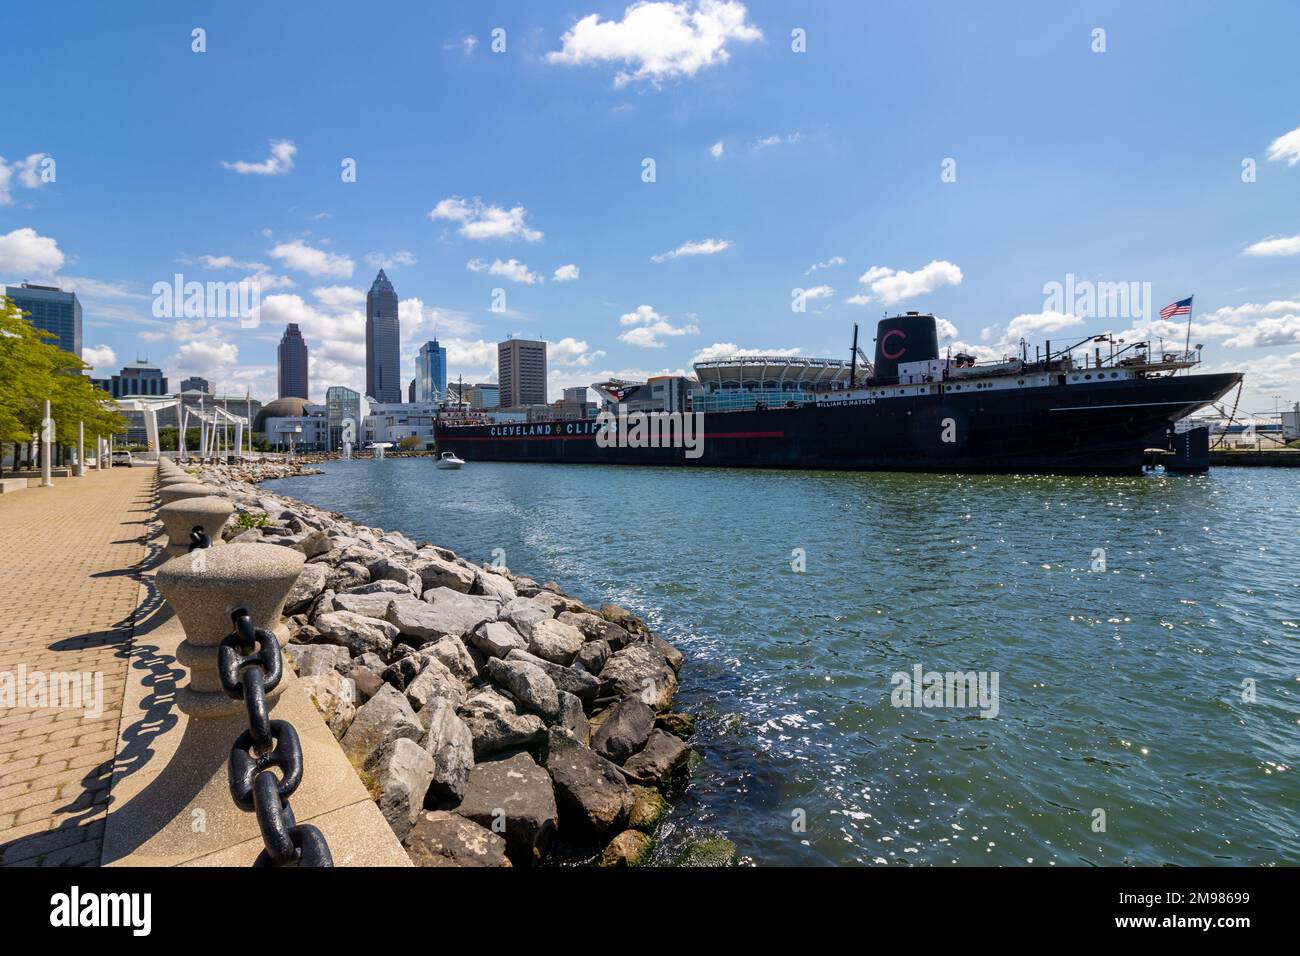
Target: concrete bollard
column 181, row 517
column 166, row 481
column 187, row 490
column 203, row 587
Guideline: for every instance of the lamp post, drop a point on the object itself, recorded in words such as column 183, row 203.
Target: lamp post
column 47, row 437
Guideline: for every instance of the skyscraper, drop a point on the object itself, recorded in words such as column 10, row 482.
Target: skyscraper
column 53, row 310
column 383, row 334
column 293, row 363
column 521, row 372
column 431, row 372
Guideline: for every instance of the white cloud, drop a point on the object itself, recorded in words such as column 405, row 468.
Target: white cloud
column 1286, row 148
column 300, row 257
column 1283, row 330
column 571, row 351
column 511, row 269
column 826, row 264
column 98, row 356
column 97, row 288
column 1275, row 246
column 776, row 139
column 657, row 41
column 479, row 220
column 397, row 259
column 818, row 292
column 566, row 273
column 650, row 328
column 278, row 163
column 27, row 175
column 716, row 150
column 25, row 253
column 889, row 286
column 229, row 262
column 724, row 350
column 340, row 298
column 694, row 247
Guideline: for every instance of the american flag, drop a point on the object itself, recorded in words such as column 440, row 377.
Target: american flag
column 1181, row 307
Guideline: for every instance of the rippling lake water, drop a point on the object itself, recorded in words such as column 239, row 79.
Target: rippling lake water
column 1122, row 691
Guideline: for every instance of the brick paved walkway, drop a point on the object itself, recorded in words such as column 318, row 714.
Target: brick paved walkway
column 69, row 589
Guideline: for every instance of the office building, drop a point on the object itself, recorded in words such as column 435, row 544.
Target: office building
column 196, row 384
column 293, row 363
column 342, row 405
column 394, row 422
column 431, row 372
column 53, row 310
column 383, row 335
column 137, row 380
column 521, row 372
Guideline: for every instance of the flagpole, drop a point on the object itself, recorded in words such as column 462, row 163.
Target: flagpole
column 1187, row 346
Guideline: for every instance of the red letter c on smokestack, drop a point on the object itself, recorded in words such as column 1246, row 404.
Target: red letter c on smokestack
column 884, row 344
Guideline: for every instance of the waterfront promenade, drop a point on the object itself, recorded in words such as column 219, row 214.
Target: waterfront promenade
column 70, row 562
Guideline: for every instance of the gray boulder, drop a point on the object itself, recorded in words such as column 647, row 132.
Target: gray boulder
column 335, row 697
column 571, row 679
column 314, row 544
column 573, row 718
column 444, row 838
column 367, row 605
column 373, row 561
column 661, row 758
column 357, row 633
column 555, row 641
column 347, row 575
column 454, row 655
column 515, row 796
column 398, row 573
column 496, row 726
column 310, row 583
column 451, row 745
column 434, row 682
column 497, row 638
column 493, row 585
column 442, row 613
column 527, row 683
column 640, row 670
column 436, row 572
column 315, row 659
column 593, row 656
column 381, row 720
column 522, row 613
column 624, row 730
column 402, row 774
column 590, row 789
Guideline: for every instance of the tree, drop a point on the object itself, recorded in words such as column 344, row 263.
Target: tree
column 33, row 370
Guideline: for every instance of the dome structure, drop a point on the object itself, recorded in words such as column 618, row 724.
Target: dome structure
column 280, row 408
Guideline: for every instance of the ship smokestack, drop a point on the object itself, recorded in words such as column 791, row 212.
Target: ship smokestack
column 904, row 338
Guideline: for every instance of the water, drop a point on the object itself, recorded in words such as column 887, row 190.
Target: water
column 1119, row 691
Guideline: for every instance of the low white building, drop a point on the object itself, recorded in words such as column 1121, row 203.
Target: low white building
column 395, row 421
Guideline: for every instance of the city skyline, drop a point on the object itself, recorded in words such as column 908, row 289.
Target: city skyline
column 770, row 173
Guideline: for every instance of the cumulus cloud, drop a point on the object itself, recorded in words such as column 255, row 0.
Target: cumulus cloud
column 229, row 262
column 650, row 328
column 479, row 220
column 658, row 41
column 1275, row 246
column 694, row 247
column 511, row 269
column 380, row 260
column 818, row 292
column 23, row 252
column 25, row 169
column 340, row 298
column 566, row 273
column 1282, row 330
column 889, row 286
column 716, row 150
column 277, row 164
column 725, row 350
column 825, row 264
column 571, row 351
column 1286, row 148
column 300, row 257
column 98, row 356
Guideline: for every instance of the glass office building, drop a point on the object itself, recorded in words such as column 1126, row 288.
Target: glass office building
column 53, row 310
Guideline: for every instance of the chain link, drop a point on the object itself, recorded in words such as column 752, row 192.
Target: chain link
column 249, row 666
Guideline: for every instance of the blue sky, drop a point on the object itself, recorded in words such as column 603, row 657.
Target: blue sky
column 1123, row 165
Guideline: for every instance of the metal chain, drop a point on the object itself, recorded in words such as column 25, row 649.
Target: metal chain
column 249, row 666
column 199, row 538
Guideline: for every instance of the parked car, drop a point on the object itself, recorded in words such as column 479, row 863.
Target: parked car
column 123, row 458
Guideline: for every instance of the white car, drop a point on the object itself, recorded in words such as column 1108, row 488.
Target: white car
column 122, row 458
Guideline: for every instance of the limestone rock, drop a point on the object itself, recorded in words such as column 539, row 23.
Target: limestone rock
column 347, row 575
column 555, row 641
column 316, row 659
column 661, row 757
column 497, row 638
column 382, row 719
column 402, row 774
column 625, row 729
column 436, row 572
column 648, row 808
column 335, row 697
column 451, row 745
column 523, row 613
column 435, row 682
column 310, row 583
column 367, row 605
column 496, row 726
column 640, row 670
column 593, row 656
column 517, row 793
column 443, row 838
column 589, row 787
column 629, row 848
column 455, row 656
column 493, row 585
column 314, row 544
column 527, row 683
column 357, row 633
column 573, row 718
column 442, row 613
column 572, row 679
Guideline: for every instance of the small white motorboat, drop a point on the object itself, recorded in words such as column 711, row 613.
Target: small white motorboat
column 448, row 459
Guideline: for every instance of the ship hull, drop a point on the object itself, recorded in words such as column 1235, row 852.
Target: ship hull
column 1101, row 428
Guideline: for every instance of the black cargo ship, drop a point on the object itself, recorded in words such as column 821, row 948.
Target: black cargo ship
column 909, row 410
